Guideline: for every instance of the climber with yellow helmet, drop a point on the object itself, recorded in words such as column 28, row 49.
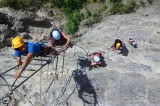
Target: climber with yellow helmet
column 27, row 49
column 59, row 38
column 118, row 45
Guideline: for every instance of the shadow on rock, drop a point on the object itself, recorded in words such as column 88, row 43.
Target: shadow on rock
column 4, row 19
column 85, row 89
column 84, row 63
column 27, row 22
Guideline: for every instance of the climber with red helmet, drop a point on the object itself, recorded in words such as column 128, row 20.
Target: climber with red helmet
column 60, row 39
column 95, row 59
column 27, row 49
column 119, row 45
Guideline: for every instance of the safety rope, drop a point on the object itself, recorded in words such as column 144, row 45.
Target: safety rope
column 64, row 88
column 63, row 65
column 56, row 76
column 41, row 82
column 68, row 81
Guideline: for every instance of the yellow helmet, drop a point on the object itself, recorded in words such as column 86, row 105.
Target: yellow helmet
column 17, row 42
column 118, row 45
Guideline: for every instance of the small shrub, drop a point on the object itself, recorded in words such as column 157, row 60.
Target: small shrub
column 94, row 18
column 69, row 4
column 86, row 14
column 103, row 8
column 117, row 8
column 142, row 3
column 71, row 27
column 114, row 1
column 130, row 7
column 19, row 4
column 120, row 8
column 150, row 1
column 73, row 19
column 7, row 2
column 74, row 15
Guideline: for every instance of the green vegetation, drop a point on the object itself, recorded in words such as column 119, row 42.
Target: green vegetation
column 94, row 16
column 130, row 7
column 92, row 19
column 72, row 9
column 150, row 1
column 19, row 4
column 142, row 3
column 73, row 18
column 69, row 4
column 120, row 8
column 115, row 1
column 117, row 8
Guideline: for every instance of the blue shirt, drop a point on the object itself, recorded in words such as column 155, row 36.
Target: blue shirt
column 31, row 48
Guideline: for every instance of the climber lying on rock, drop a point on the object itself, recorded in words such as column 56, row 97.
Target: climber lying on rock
column 119, row 45
column 29, row 50
column 95, row 59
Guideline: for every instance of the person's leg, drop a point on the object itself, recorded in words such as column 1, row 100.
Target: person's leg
column 124, row 51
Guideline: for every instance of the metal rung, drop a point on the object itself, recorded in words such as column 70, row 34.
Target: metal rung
column 31, row 70
column 8, row 85
column 45, row 56
column 41, row 59
column 13, row 75
column 35, row 64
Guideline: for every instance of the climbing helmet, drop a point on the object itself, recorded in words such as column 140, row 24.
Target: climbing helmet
column 17, row 42
column 56, row 35
column 96, row 58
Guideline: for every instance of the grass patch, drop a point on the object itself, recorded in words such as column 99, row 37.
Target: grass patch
column 142, row 3
column 150, row 1
column 117, row 8
column 20, row 4
column 73, row 19
column 120, row 8
column 115, row 1
column 93, row 16
column 130, row 7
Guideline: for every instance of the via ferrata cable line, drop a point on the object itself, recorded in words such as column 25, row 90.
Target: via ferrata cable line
column 13, row 87
column 54, row 76
column 41, row 82
column 63, row 65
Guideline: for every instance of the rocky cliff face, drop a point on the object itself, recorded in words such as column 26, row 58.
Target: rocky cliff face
column 27, row 24
column 122, row 81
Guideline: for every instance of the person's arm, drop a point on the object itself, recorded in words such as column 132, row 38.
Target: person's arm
column 67, row 38
column 91, row 57
column 24, row 65
column 113, row 47
column 19, row 62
